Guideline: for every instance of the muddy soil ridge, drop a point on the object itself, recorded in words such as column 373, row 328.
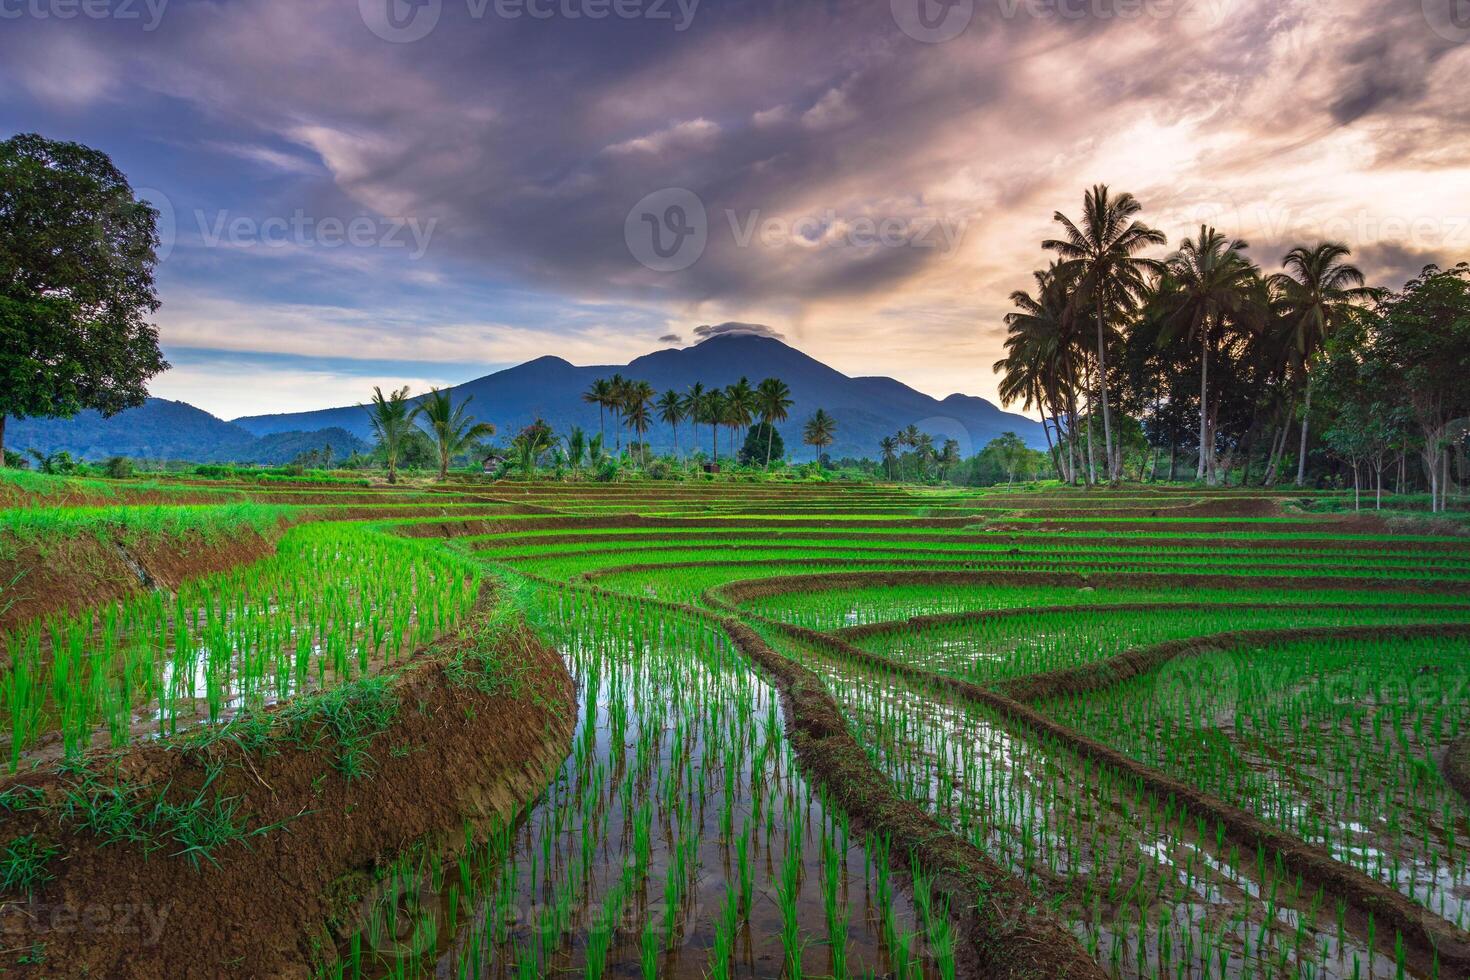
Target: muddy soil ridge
column 1431, row 942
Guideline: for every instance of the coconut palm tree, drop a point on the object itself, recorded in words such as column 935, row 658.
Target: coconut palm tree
column 637, row 413
column 924, row 452
column 616, row 399
column 671, row 412
column 740, row 408
column 820, row 430
column 888, row 446
column 1318, row 289
column 713, row 415
column 908, row 436
column 452, row 430
column 392, row 418
column 599, row 393
column 576, row 443
column 1110, row 274
column 1039, row 362
column 773, row 401
column 948, row 457
column 1210, row 285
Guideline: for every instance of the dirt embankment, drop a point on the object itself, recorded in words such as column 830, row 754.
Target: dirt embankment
column 86, row 571
column 1456, row 766
column 762, row 588
column 1000, row 937
column 1102, row 674
column 1427, row 937
column 455, row 749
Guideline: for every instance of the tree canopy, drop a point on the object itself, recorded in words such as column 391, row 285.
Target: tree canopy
column 77, row 251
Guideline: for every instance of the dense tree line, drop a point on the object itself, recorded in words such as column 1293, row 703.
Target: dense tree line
column 1221, row 362
column 734, row 408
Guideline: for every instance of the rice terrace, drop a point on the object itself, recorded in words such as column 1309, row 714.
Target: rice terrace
column 734, row 490
column 730, row 729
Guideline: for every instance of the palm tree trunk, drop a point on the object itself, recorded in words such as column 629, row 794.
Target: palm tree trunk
column 1075, row 464
column 1102, row 384
column 1091, row 406
column 770, row 438
column 1278, row 446
column 1212, row 476
column 1301, row 460
column 714, row 441
column 1046, row 430
column 1204, row 404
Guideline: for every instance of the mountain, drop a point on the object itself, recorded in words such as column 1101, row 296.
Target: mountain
column 163, row 429
column 866, row 409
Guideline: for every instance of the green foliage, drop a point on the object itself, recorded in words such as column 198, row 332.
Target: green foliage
column 59, row 463
column 392, row 418
column 24, row 865
column 451, row 428
column 348, row 716
column 819, row 432
column 77, row 252
column 118, row 468
column 761, row 438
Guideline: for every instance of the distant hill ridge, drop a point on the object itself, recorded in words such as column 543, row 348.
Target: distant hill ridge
column 164, row 429
column 866, row 408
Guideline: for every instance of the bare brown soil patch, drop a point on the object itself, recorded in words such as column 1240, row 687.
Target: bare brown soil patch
column 70, row 574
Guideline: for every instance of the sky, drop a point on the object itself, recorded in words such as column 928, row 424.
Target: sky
column 361, row 192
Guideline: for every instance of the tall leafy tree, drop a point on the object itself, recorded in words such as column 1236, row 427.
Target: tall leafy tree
column 1319, row 288
column 599, row 393
column 888, row 446
column 740, row 408
column 1421, row 339
column 1104, row 255
column 450, row 426
column 392, row 418
column 948, row 457
column 77, row 252
column 1039, row 368
column 773, row 400
column 637, row 411
column 819, row 432
column 713, row 415
column 576, row 443
column 671, row 412
column 616, row 400
column 1210, row 285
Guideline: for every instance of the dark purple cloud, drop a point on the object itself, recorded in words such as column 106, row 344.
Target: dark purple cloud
column 869, row 191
